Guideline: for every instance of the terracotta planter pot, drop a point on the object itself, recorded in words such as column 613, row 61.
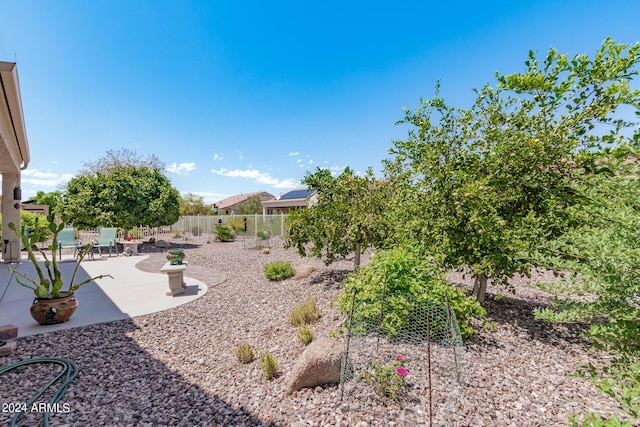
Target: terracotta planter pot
column 47, row 311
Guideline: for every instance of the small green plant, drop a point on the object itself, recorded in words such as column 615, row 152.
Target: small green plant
column 224, row 233
column 245, row 353
column 304, row 313
column 269, row 364
column 263, row 234
column 305, row 334
column 278, row 270
column 265, row 251
column 176, row 234
column 387, row 380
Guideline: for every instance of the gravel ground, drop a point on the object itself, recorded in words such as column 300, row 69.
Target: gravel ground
column 178, row 367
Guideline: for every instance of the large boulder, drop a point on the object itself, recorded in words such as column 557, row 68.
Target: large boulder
column 163, row 244
column 318, row 364
column 304, row 271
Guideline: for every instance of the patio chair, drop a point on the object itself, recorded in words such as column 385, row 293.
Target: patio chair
column 107, row 239
column 67, row 239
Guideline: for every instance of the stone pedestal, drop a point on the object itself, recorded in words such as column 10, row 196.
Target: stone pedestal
column 176, row 278
column 132, row 247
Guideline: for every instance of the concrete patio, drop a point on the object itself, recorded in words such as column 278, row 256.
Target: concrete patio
column 131, row 292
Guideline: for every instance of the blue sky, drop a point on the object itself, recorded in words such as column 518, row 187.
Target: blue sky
column 236, row 97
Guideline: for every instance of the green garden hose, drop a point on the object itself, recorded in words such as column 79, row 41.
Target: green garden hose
column 69, row 372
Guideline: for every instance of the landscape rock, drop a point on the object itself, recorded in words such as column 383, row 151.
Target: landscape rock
column 318, row 364
column 163, row 244
column 304, row 271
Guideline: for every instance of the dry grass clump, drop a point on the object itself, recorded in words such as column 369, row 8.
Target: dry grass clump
column 304, row 313
column 245, row 353
column 269, row 364
column 305, row 334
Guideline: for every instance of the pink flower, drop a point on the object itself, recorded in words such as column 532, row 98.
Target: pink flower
column 399, row 358
column 402, row 371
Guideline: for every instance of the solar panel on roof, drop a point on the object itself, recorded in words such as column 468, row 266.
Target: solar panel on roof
column 296, row 194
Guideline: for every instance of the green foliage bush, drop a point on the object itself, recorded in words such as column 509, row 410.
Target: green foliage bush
column 224, row 233
column 35, row 222
column 196, row 231
column 269, row 364
column 305, row 334
column 245, row 353
column 278, row 270
column 304, row 312
column 411, row 279
column 263, row 234
column 176, row 234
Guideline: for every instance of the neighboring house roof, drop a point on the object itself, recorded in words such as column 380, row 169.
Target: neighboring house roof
column 301, row 193
column 293, row 198
column 234, row 200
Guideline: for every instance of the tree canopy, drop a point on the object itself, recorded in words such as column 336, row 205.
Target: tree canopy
column 126, row 197
column 190, row 204
column 496, row 179
column 346, row 217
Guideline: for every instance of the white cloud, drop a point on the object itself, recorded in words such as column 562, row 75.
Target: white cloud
column 299, row 160
column 208, row 197
column 240, row 155
column 181, row 169
column 46, row 179
column 293, row 154
column 261, row 177
column 217, row 156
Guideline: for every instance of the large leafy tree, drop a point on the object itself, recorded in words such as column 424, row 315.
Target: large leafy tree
column 489, row 182
column 251, row 206
column 190, row 204
column 118, row 158
column 126, row 197
column 602, row 254
column 50, row 199
column 346, row 217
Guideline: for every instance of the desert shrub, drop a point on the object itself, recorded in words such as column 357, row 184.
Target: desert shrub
column 235, row 224
column 176, row 234
column 304, row 312
column 305, row 334
column 196, row 230
column 265, row 251
column 263, row 234
column 412, row 279
column 245, row 353
column 278, row 270
column 269, row 364
column 224, row 233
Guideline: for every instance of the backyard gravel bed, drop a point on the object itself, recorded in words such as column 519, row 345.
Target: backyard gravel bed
column 178, row 367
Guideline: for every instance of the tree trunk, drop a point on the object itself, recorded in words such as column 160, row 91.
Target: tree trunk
column 480, row 288
column 356, row 260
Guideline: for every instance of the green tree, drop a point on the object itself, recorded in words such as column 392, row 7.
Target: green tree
column 345, row 219
column 600, row 259
column 251, row 206
column 50, row 199
column 190, row 204
column 118, row 158
column 126, row 197
column 490, row 182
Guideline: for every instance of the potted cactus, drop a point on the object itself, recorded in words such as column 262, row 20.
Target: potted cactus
column 52, row 304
